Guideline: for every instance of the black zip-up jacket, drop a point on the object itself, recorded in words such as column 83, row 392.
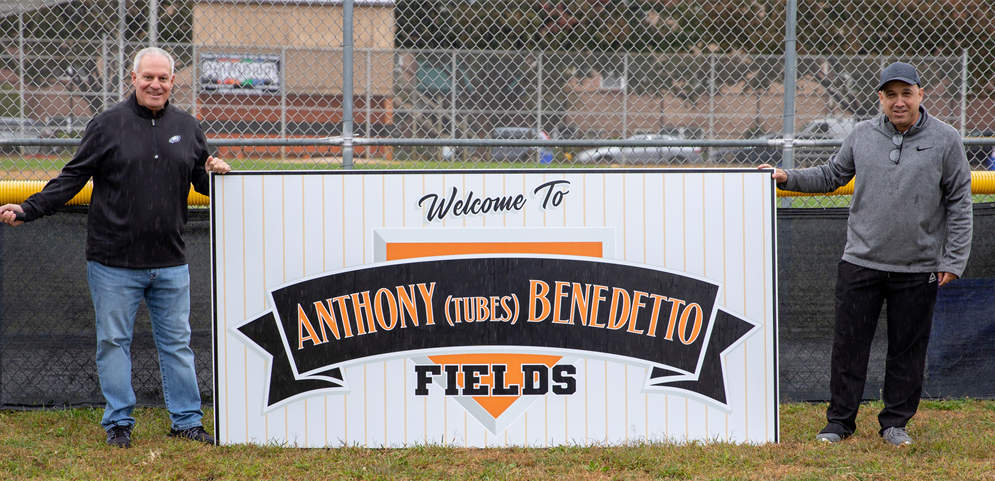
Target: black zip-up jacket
column 142, row 166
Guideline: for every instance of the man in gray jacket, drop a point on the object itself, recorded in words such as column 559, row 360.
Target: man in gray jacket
column 909, row 232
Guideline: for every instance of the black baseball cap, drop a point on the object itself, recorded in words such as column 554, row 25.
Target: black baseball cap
column 899, row 71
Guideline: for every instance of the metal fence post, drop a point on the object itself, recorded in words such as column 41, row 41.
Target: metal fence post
column 963, row 94
column 283, row 101
column 196, row 81
column 347, row 84
column 711, row 95
column 538, row 101
column 882, row 62
column 122, row 12
column 791, row 17
column 369, row 94
column 625, row 95
column 790, row 67
column 20, row 66
column 105, row 81
column 453, row 69
column 153, row 23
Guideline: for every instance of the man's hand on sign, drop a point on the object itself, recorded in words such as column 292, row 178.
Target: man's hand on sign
column 779, row 175
column 216, row 165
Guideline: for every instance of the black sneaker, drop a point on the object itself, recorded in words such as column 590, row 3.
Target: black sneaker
column 197, row 433
column 119, row 436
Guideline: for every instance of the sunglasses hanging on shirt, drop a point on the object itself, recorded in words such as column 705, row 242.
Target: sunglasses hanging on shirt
column 896, row 153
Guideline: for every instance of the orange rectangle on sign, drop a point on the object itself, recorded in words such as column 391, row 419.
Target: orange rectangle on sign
column 412, row 250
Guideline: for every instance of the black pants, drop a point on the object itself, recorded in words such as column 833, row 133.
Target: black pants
column 859, row 294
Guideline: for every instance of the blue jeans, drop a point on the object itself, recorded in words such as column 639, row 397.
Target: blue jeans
column 116, row 294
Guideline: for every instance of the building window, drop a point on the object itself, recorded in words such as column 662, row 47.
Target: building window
column 612, row 81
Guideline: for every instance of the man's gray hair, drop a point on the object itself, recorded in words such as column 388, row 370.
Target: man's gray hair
column 155, row 52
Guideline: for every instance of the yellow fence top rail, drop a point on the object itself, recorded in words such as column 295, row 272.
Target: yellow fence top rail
column 17, row 191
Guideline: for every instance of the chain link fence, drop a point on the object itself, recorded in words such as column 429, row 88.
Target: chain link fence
column 476, row 84
column 662, row 71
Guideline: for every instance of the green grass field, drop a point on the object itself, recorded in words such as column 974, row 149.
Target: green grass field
column 954, row 440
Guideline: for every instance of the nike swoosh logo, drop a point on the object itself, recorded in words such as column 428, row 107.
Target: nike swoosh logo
column 920, row 149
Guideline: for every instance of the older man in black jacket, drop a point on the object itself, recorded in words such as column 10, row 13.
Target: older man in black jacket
column 142, row 155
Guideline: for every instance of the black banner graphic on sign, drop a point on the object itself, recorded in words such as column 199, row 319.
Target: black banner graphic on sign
column 656, row 317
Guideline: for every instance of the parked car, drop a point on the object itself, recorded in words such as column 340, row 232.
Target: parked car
column 23, row 128
column 979, row 156
column 504, row 153
column 821, row 129
column 750, row 156
column 641, row 155
column 827, row 129
column 689, row 132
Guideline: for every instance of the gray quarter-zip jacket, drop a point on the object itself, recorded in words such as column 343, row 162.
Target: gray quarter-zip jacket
column 910, row 216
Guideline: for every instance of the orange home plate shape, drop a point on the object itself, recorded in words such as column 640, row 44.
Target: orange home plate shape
column 496, row 388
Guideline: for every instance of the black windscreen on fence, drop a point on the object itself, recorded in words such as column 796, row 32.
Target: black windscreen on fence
column 962, row 344
column 47, row 341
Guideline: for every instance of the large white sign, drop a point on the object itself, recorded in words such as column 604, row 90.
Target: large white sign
column 495, row 308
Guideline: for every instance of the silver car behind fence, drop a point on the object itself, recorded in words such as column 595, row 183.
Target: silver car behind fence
column 641, row 155
column 22, row 128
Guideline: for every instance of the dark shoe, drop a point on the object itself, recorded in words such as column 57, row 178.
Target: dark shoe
column 119, row 436
column 829, row 437
column 832, row 433
column 896, row 436
column 197, row 433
